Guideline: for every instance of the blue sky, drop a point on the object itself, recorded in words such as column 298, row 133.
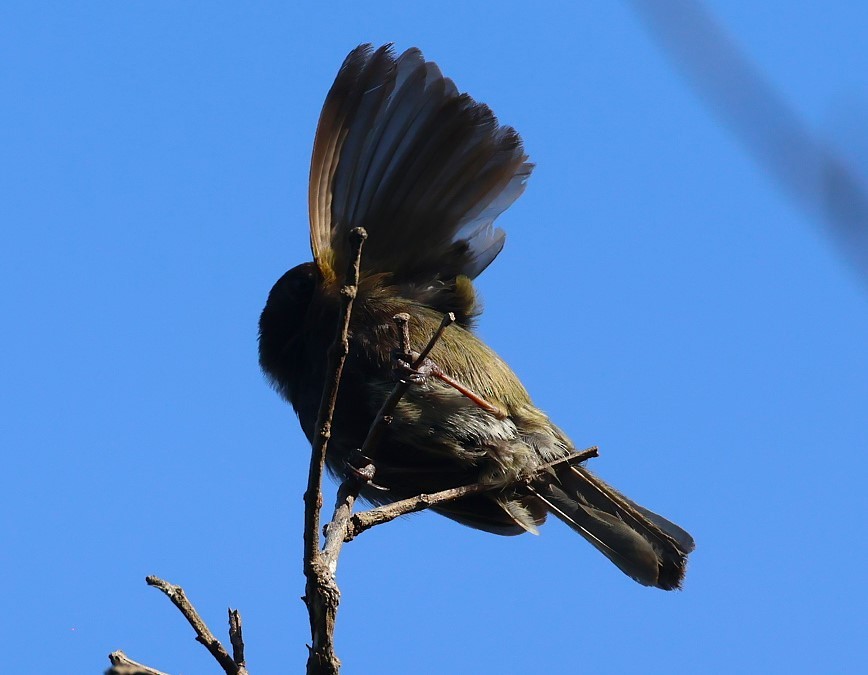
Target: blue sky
column 659, row 295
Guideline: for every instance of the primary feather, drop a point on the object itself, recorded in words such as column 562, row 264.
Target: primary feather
column 424, row 169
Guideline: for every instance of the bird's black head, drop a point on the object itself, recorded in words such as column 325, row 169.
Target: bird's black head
column 282, row 322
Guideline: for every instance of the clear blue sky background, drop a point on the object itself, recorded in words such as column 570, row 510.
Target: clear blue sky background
column 658, row 294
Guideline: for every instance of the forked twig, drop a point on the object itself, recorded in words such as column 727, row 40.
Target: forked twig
column 231, row 665
column 203, row 634
column 349, row 490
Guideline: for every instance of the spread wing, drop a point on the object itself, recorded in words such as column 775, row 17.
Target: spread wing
column 424, row 169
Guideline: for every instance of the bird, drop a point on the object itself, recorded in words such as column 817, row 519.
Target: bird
column 426, row 171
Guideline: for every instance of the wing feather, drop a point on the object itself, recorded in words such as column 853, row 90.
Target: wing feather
column 424, row 169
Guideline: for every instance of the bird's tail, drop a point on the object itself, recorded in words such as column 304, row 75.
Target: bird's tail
column 643, row 545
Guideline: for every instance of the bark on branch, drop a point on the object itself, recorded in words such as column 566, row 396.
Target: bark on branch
column 321, row 594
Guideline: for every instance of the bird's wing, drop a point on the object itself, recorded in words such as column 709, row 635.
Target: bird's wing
column 424, row 169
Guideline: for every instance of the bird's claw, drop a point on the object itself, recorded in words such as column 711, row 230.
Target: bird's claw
column 365, row 472
column 404, row 370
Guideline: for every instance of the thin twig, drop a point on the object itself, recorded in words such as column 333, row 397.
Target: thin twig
column 124, row 665
column 572, row 459
column 236, row 637
column 384, row 415
column 365, row 520
column 203, row 634
column 336, row 530
column 337, row 356
column 322, row 595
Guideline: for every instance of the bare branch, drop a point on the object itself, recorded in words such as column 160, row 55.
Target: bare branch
column 448, row 320
column 236, row 637
column 337, row 356
column 383, row 514
column 321, row 592
column 572, row 459
column 203, row 634
column 365, row 520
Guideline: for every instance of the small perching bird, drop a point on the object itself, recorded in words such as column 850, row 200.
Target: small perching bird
column 426, row 171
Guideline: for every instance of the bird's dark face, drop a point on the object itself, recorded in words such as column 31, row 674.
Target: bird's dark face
column 282, row 323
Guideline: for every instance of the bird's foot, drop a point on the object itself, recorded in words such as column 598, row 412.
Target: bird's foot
column 405, row 368
column 364, row 469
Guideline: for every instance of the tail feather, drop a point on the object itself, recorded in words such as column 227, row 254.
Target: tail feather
column 643, row 545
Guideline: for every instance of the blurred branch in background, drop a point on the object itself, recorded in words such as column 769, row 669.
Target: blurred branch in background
column 807, row 167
